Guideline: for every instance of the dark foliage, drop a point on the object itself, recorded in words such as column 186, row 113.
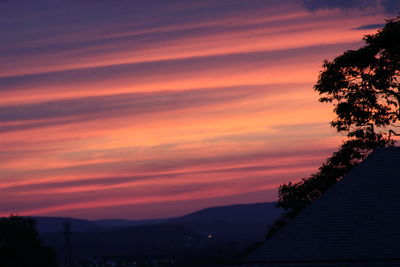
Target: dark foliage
column 363, row 86
column 20, row 245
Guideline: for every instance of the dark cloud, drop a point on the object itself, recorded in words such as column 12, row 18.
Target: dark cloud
column 24, row 202
column 167, row 208
column 139, row 39
column 145, row 72
column 343, row 4
column 389, row 6
column 168, row 167
column 108, row 181
column 370, row 26
column 34, row 19
column 136, row 104
column 35, row 124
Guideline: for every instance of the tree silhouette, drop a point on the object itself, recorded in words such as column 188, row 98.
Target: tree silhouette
column 363, row 86
column 20, row 245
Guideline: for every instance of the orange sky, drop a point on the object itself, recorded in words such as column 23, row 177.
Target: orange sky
column 135, row 110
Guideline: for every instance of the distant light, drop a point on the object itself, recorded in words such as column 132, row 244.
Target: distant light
column 210, row 236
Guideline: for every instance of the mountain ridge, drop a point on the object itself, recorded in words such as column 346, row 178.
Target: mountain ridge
column 260, row 211
column 205, row 234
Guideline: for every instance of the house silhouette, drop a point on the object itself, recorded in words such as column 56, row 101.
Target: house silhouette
column 355, row 223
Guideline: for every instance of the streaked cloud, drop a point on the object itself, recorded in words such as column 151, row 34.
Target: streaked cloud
column 388, row 6
column 370, row 26
column 125, row 109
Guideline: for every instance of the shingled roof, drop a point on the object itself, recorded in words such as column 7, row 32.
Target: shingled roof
column 355, row 223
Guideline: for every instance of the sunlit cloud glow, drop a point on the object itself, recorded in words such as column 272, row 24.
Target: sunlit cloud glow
column 134, row 109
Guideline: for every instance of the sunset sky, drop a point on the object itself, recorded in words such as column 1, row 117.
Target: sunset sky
column 148, row 109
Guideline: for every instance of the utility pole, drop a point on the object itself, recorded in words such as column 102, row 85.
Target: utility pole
column 67, row 238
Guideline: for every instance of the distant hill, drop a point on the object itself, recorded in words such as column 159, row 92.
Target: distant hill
column 56, row 224
column 205, row 235
column 263, row 212
column 126, row 223
column 136, row 241
column 243, row 224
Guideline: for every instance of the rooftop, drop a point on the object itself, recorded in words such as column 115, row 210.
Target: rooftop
column 356, row 222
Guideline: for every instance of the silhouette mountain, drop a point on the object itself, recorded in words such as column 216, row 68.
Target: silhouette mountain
column 262, row 212
column 56, row 224
column 125, row 223
column 243, row 224
column 240, row 213
column 146, row 240
column 208, row 234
